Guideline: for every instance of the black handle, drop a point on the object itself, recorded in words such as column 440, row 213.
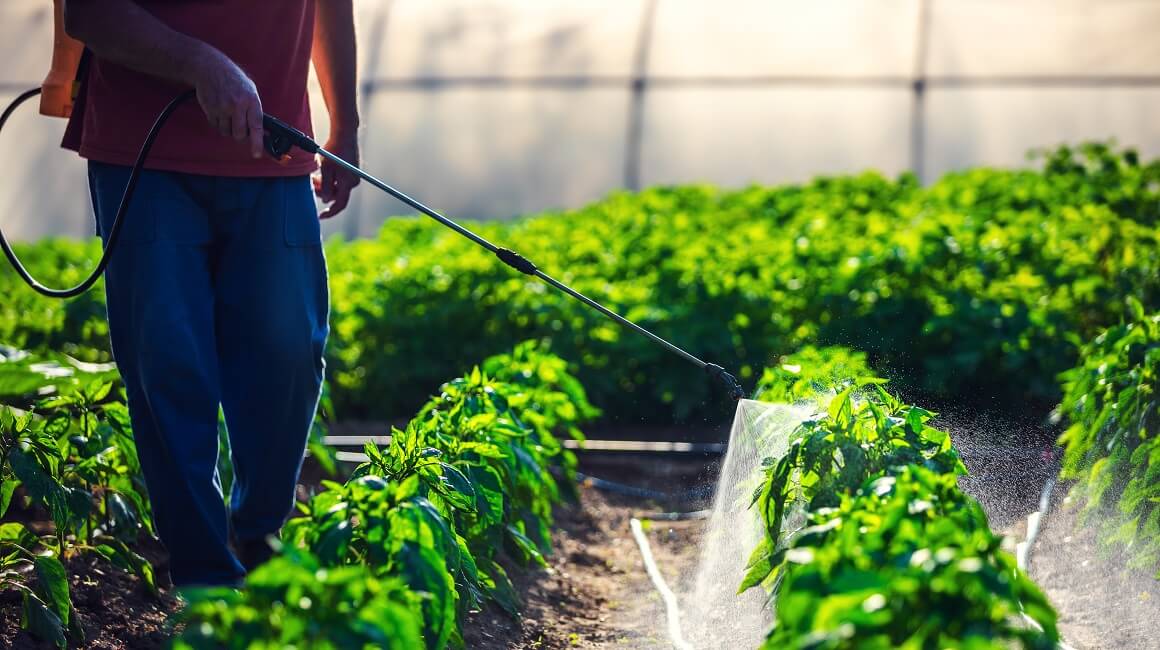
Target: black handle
column 280, row 138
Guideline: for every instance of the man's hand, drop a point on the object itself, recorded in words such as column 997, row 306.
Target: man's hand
column 230, row 100
column 333, row 184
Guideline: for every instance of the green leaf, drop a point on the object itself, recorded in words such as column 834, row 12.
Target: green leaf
column 41, row 621
column 125, row 558
column 500, row 588
column 52, row 585
column 6, row 490
column 527, row 548
column 41, row 486
column 758, row 571
column 333, row 543
column 461, row 494
column 425, row 571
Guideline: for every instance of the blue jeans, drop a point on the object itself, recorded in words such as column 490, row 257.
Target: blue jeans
column 217, row 297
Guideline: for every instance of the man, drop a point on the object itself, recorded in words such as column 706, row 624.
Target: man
column 217, row 293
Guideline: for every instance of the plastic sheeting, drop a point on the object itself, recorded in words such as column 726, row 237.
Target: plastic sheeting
column 999, row 126
column 490, row 108
column 740, row 135
column 1024, row 39
column 791, row 38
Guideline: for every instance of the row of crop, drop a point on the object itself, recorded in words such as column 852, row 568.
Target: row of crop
column 65, row 448
column 980, row 285
column 401, row 552
column 869, row 542
column 1112, row 443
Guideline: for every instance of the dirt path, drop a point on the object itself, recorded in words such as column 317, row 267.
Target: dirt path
column 1102, row 605
column 595, row 594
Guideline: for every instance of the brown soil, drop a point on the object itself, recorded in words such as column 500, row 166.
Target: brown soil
column 595, row 593
column 117, row 611
column 1101, row 604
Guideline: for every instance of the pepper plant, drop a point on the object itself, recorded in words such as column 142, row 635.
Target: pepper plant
column 1112, row 444
column 907, row 561
column 884, row 549
column 295, row 601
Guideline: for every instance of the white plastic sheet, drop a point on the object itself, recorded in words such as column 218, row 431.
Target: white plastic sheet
column 1044, row 38
column 490, row 108
column 752, row 38
column 737, row 136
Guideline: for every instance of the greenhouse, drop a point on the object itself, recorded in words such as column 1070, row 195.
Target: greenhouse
column 639, row 324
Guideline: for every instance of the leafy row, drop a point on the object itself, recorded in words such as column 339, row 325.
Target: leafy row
column 65, row 449
column 1112, row 445
column 412, row 542
column 981, row 284
column 869, row 542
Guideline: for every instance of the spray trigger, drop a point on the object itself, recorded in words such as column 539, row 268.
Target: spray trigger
column 280, row 137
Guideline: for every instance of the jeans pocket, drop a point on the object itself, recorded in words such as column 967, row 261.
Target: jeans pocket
column 139, row 223
column 301, row 226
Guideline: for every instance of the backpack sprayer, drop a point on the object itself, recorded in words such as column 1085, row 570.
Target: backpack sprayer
column 59, row 92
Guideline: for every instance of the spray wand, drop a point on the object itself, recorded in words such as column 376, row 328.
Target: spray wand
column 279, row 138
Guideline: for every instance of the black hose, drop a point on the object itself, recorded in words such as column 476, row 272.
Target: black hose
column 693, row 494
column 118, row 220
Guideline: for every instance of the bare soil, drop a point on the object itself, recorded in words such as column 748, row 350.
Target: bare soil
column 117, row 611
column 1101, row 604
column 595, row 593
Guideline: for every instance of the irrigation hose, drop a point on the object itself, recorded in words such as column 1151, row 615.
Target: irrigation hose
column 1023, row 549
column 672, row 608
column 624, row 489
column 118, row 220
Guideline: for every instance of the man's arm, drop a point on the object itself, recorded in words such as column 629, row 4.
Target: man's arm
column 124, row 33
column 336, row 62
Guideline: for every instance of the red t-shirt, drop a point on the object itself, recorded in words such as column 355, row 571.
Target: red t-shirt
column 270, row 40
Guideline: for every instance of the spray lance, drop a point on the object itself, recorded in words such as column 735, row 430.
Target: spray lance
column 59, row 92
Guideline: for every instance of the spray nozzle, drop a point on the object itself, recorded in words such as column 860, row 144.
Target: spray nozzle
column 732, row 386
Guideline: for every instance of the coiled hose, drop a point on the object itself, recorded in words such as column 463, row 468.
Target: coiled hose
column 118, row 220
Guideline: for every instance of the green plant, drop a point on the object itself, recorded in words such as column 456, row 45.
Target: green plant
column 32, row 460
column 833, row 456
column 1112, row 445
column 811, row 372
column 868, row 540
column 47, row 606
column 65, row 446
column 549, row 397
column 463, row 480
column 293, row 601
column 907, row 561
column 391, row 529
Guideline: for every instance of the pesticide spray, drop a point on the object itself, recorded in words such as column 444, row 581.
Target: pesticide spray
column 714, row 614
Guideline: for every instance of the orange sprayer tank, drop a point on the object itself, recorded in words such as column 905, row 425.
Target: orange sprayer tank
column 58, row 90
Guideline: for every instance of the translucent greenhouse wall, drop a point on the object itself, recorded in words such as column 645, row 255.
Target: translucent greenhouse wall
column 490, row 109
